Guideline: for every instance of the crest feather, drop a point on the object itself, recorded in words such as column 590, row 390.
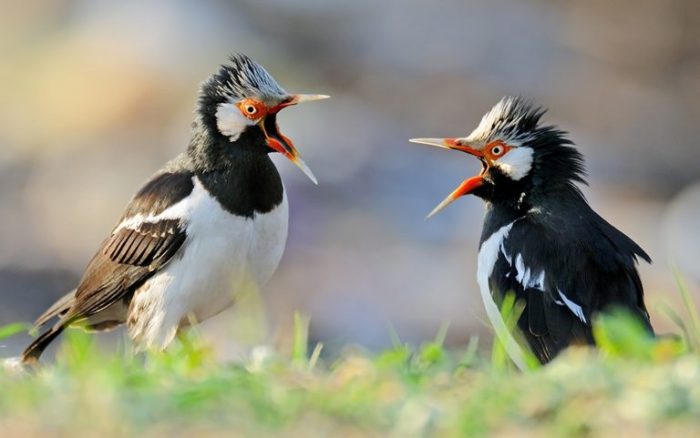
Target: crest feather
column 242, row 78
column 512, row 118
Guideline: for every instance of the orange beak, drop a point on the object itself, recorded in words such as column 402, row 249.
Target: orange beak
column 281, row 143
column 468, row 185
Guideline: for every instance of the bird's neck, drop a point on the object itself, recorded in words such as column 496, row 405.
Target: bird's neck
column 558, row 202
column 240, row 175
column 210, row 150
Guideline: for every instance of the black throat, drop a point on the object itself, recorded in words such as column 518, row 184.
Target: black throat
column 501, row 190
column 240, row 175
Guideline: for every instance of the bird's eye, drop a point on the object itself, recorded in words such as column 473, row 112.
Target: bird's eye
column 496, row 149
column 251, row 109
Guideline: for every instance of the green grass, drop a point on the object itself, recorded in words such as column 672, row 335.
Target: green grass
column 632, row 383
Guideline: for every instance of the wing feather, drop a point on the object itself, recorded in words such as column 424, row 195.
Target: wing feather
column 133, row 253
column 590, row 272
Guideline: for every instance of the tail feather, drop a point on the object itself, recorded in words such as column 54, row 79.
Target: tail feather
column 33, row 352
column 60, row 308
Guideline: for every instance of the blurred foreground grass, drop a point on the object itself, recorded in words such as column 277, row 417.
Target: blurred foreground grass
column 633, row 386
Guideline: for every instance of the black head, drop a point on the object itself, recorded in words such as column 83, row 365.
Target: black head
column 521, row 158
column 238, row 106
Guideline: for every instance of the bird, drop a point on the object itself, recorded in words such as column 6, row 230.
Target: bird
column 540, row 239
column 210, row 223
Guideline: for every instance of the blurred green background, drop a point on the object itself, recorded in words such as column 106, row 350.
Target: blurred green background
column 97, row 95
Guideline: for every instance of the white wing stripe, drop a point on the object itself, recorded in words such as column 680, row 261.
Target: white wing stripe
column 525, row 275
column 575, row 308
column 509, row 259
column 539, row 282
column 180, row 210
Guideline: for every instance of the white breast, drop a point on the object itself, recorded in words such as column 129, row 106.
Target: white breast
column 223, row 255
column 488, row 255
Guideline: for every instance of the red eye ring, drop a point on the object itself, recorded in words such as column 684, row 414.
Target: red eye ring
column 251, row 108
column 497, row 149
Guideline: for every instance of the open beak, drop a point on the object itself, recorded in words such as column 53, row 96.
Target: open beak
column 298, row 98
column 281, row 143
column 449, row 143
column 468, row 185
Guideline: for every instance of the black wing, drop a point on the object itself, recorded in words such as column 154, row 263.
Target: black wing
column 139, row 246
column 565, row 273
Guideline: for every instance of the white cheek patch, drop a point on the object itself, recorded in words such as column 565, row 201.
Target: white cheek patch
column 516, row 163
column 230, row 121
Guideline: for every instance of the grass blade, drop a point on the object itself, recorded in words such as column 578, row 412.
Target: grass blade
column 12, row 329
column 300, row 339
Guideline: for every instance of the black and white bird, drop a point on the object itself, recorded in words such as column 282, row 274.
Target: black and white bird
column 540, row 238
column 211, row 222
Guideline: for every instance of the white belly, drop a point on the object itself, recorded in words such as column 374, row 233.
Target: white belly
column 224, row 255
